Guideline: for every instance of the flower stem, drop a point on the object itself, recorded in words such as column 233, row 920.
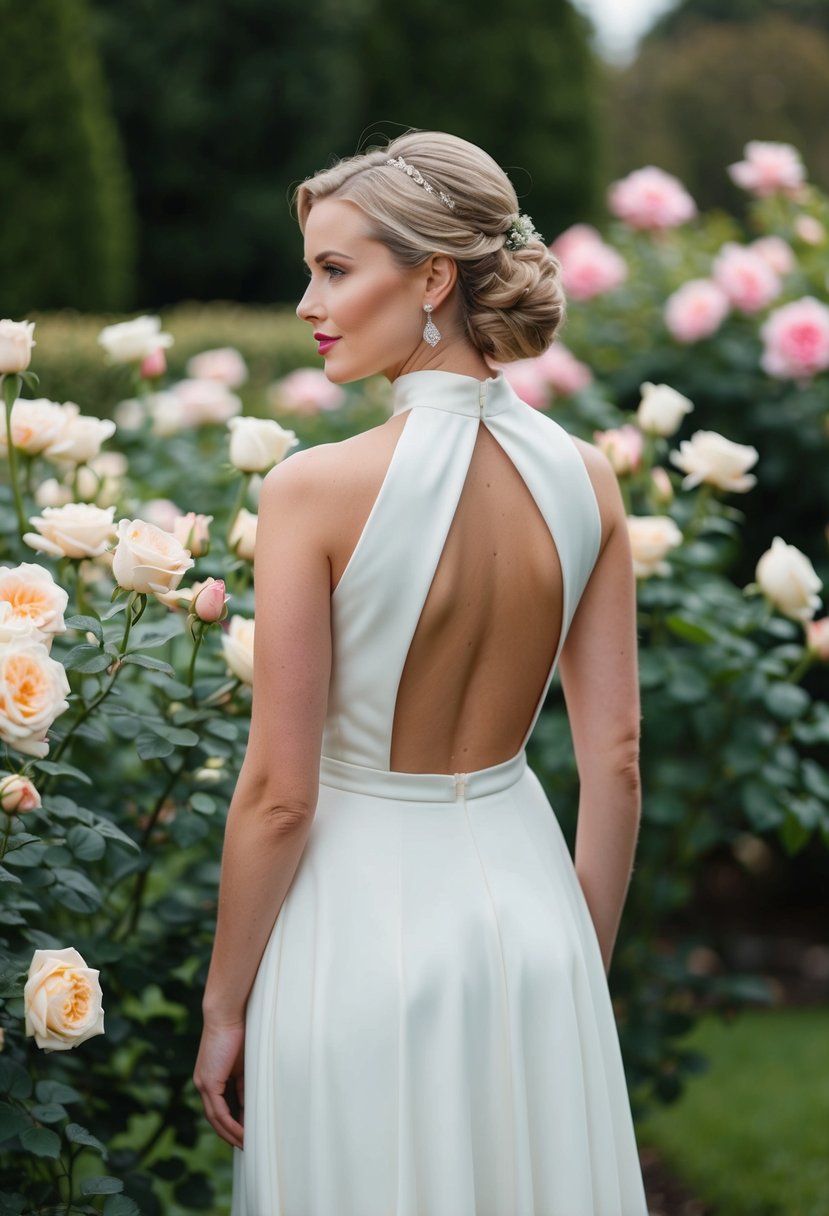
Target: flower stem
column 197, row 641
column 240, row 501
column 800, row 668
column 11, row 391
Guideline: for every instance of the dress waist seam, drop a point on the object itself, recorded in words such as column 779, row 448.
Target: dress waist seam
column 421, row 787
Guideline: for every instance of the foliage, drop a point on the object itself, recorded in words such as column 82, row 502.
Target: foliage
column 690, row 103
column 686, row 14
column 66, row 211
column 750, row 1136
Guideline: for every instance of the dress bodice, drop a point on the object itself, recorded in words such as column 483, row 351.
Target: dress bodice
column 377, row 603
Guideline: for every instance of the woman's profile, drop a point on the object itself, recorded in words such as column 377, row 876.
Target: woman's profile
column 406, row 1012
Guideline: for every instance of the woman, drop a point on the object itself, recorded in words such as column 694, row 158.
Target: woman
column 408, row 970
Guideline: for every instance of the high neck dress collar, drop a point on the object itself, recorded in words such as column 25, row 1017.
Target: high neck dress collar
column 452, row 392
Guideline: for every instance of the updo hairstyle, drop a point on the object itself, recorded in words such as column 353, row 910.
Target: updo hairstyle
column 512, row 300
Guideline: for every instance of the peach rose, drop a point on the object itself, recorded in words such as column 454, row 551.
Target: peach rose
column 745, row 277
column 192, row 531
column 132, row 341
column 788, row 580
column 18, row 794
column 661, row 409
column 769, row 168
column 224, row 364
column 651, row 199
column 696, row 310
column 81, row 437
column 589, row 266
column 623, row 446
column 710, row 458
column 305, row 391
column 237, row 645
column 242, row 537
column 148, row 559
column 36, row 423
column 796, row 339
column 651, row 539
column 75, row 530
column 16, row 344
column 62, row 1000
column 258, row 443
column 33, row 692
column 33, row 598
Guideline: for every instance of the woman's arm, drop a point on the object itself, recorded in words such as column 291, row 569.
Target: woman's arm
column 275, row 799
column 599, row 677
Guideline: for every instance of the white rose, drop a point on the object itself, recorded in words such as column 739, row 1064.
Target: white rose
column 132, row 341
column 16, row 344
column 237, row 644
column 661, row 409
column 711, row 458
column 224, row 364
column 18, row 794
column 75, row 530
column 33, row 691
column 258, row 443
column 36, row 423
column 29, row 595
column 651, row 539
column 99, row 481
column 81, row 438
column 148, row 559
column 788, row 579
column 53, row 493
column 62, row 1000
column 242, row 537
column 193, row 532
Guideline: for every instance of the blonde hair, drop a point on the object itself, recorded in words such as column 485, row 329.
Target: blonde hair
column 512, row 302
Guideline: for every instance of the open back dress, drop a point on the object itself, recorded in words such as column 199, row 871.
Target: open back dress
column 430, row 1031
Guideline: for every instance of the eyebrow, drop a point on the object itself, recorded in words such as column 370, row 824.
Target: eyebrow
column 331, row 253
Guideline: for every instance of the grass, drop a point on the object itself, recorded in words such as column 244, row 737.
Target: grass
column 751, row 1136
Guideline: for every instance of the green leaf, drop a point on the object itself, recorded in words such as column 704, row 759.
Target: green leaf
column 11, row 1204
column 692, row 632
column 153, row 634
column 13, row 1120
column 86, row 843
column 222, row 729
column 761, row 805
column 7, row 876
column 14, row 1080
column 62, row 769
column 786, row 701
column 202, row 803
column 815, row 779
column 153, row 747
column 92, row 624
column 121, row 1205
column 103, row 1184
column 76, row 1134
column 112, row 832
column 86, row 658
column 52, row 1112
column 793, row 834
column 151, row 664
column 41, row 1142
column 56, row 1091
column 687, row 685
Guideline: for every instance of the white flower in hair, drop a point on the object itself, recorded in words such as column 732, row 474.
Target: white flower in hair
column 520, row 232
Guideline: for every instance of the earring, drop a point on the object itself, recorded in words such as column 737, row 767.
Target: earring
column 431, row 333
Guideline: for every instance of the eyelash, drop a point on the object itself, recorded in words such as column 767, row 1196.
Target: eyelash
column 333, row 272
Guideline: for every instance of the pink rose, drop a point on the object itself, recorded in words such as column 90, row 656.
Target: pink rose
column 564, row 373
column 768, row 168
column 809, row 230
column 305, row 391
column 696, row 310
column 209, row 601
column 192, row 531
column 202, row 402
column 17, row 794
column 796, row 339
column 524, row 375
column 224, row 364
column 623, row 446
column 651, row 199
column 745, row 277
column 589, row 266
column 817, row 638
column 154, row 364
column 775, row 251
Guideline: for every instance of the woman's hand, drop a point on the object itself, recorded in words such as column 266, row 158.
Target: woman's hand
column 219, row 1077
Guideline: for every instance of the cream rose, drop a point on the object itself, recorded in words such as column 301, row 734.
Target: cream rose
column 193, row 532
column 62, row 1000
column 53, row 493
column 36, row 423
column 242, row 536
column 16, row 344
column 661, row 409
column 81, row 437
column 237, row 644
column 711, row 458
column 32, row 597
column 651, row 539
column 17, row 794
column 258, row 443
column 148, row 559
column 788, row 579
column 99, row 481
column 75, row 530
column 33, row 692
column 132, row 341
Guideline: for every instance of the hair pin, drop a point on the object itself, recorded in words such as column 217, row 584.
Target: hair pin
column 416, row 176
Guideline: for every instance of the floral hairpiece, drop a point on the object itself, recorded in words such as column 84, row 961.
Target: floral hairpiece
column 520, row 232
column 413, row 173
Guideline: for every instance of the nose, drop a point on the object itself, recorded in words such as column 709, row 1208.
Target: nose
column 306, row 309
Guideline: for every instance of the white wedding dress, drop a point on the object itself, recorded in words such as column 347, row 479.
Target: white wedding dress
column 430, row 1031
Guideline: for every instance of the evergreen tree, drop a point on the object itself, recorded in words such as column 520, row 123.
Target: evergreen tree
column 65, row 210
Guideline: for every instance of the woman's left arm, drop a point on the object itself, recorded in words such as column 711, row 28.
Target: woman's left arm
column 273, row 805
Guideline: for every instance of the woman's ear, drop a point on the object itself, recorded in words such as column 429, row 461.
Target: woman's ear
column 442, row 275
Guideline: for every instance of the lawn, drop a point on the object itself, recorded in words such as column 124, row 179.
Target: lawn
column 751, row 1136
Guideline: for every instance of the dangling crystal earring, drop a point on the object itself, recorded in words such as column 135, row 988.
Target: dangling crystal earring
column 431, row 333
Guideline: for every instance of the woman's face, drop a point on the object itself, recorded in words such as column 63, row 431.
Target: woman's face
column 366, row 311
